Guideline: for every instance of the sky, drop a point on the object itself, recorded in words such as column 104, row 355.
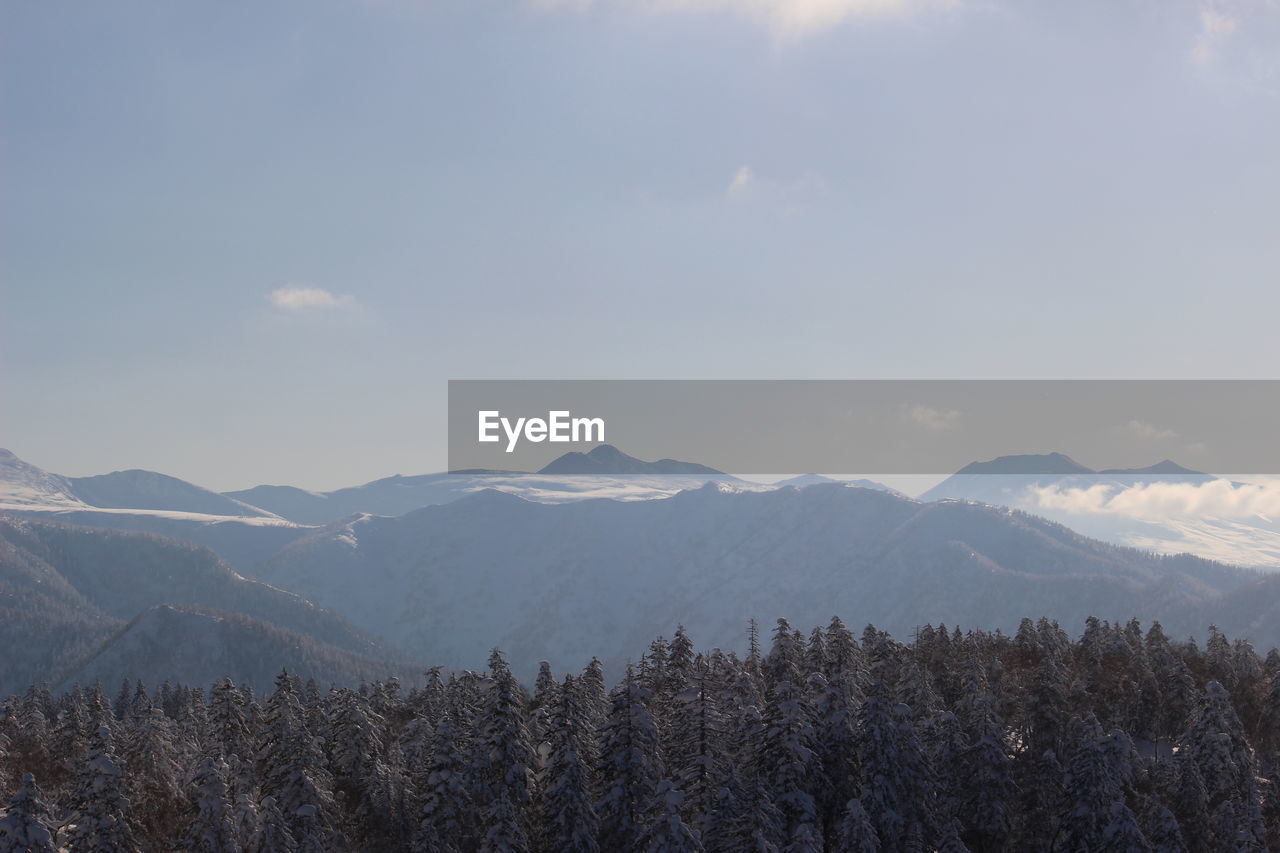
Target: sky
column 249, row 243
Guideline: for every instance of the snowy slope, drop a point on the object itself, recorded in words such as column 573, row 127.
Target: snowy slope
column 137, row 489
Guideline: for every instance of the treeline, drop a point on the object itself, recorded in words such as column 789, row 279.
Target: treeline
column 1123, row 740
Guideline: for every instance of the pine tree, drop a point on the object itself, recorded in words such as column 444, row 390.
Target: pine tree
column 568, row 818
column 988, row 782
column 631, row 767
column 291, row 766
column 856, row 834
column 787, row 761
column 446, row 819
column 275, row 835
column 101, row 812
column 665, row 831
column 151, row 771
column 507, row 756
column 25, row 826
column 212, row 828
column 228, row 725
column 897, row 787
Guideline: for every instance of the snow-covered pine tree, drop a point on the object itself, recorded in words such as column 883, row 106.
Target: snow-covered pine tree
column 665, row 831
column 274, row 835
column 787, row 762
column 212, row 823
column 506, row 773
column 228, row 725
column 856, row 833
column 630, row 767
column 291, row 766
column 151, row 771
column 569, row 823
column 447, row 821
column 987, row 774
column 1161, row 829
column 100, row 811
column 897, row 787
column 25, row 827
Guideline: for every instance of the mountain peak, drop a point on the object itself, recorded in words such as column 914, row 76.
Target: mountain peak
column 608, row 460
column 1028, row 463
column 1164, row 466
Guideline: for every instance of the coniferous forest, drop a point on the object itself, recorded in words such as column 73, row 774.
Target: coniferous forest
column 1121, row 740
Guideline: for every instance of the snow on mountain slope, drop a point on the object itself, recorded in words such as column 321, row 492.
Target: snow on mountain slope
column 137, row 489
column 563, row 582
column 24, row 485
column 397, row 495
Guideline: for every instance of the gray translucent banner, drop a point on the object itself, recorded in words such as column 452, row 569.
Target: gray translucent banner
column 870, row 426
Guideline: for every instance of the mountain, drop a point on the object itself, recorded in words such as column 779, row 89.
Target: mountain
column 64, row 589
column 604, row 472
column 1042, row 464
column 24, row 485
column 610, row 461
column 138, row 489
column 1163, row 468
column 999, row 481
column 557, row 581
column 805, row 480
column 200, row 646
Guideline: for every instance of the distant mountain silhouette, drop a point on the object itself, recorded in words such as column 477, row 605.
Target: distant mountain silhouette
column 609, row 460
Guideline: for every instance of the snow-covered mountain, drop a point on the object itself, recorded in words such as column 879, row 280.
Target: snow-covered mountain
column 558, row 581
column 24, row 485
column 605, row 472
column 1163, row 507
column 137, row 489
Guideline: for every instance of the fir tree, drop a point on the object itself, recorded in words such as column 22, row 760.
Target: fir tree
column 25, row 826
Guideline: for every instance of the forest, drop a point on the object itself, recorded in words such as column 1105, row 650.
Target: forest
column 1123, row 739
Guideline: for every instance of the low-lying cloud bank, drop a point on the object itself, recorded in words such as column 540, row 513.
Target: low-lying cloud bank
column 1153, row 501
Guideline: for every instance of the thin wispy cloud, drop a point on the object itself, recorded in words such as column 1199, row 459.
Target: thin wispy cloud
column 1139, row 429
column 299, row 299
column 741, row 184
column 788, row 194
column 933, row 419
column 1219, row 19
column 784, row 17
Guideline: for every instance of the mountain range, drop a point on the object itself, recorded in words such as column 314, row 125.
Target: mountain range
column 562, row 581
column 72, row 597
column 561, row 565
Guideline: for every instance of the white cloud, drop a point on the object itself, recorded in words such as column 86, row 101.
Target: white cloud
column 308, row 299
column 933, row 419
column 785, row 17
column 741, row 183
column 1162, row 501
column 790, row 195
column 1218, row 20
column 1148, row 431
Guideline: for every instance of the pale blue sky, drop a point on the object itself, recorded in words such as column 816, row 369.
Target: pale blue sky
column 626, row 188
